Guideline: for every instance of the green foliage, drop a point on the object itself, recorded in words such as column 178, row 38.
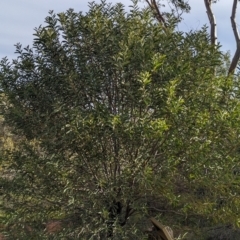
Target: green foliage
column 120, row 121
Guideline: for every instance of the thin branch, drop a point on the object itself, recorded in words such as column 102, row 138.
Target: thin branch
column 177, row 10
column 212, row 21
column 154, row 7
column 237, row 38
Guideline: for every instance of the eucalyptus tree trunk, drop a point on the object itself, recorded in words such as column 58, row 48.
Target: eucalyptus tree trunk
column 182, row 6
column 213, row 31
column 237, row 39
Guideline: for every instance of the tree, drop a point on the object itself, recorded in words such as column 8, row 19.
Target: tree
column 183, row 6
column 213, row 23
column 120, row 120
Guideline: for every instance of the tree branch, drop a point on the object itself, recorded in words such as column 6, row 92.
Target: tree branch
column 237, row 38
column 154, row 7
column 212, row 21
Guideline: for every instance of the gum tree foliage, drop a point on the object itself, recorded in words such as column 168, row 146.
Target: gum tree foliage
column 119, row 121
column 177, row 8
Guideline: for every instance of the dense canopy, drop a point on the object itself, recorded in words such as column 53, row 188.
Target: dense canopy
column 116, row 120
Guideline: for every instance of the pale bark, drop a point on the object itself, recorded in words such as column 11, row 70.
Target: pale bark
column 213, row 27
column 237, row 38
column 213, row 33
column 212, row 21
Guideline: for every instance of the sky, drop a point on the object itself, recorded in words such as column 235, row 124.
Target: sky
column 18, row 18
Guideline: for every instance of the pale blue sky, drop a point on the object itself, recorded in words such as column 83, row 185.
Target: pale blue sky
column 18, row 18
